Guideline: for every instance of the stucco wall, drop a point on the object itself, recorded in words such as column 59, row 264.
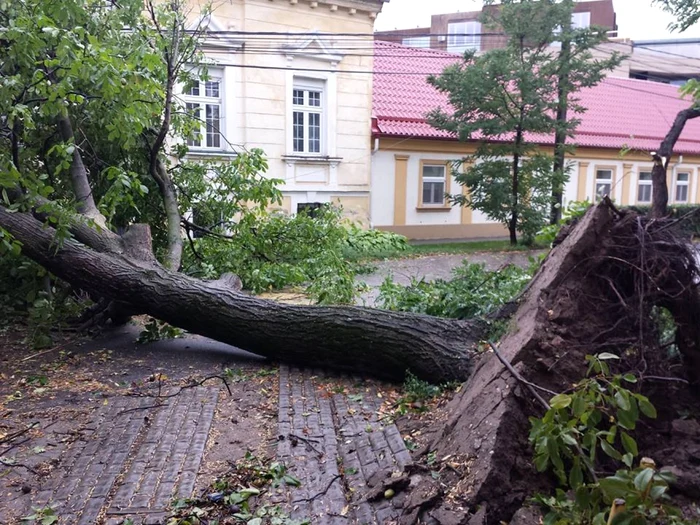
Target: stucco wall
column 457, row 223
column 258, row 86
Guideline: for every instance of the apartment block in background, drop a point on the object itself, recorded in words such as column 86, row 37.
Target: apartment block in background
column 458, row 32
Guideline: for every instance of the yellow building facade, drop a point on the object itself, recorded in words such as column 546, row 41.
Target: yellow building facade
column 399, row 180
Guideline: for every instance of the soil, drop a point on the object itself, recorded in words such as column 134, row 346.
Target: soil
column 593, row 294
column 50, row 398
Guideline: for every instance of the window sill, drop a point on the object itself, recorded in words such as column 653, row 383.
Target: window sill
column 202, row 152
column 311, row 159
column 433, row 208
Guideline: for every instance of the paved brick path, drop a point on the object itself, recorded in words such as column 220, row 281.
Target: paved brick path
column 334, row 443
column 135, row 461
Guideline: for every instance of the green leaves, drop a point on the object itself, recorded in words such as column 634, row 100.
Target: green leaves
column 560, row 401
column 598, row 414
column 610, row 450
column 643, row 478
column 576, row 474
column 622, row 398
column 645, row 406
column 472, row 291
column 629, row 444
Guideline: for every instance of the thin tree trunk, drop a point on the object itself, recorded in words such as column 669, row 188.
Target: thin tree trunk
column 79, row 176
column 662, row 158
column 560, row 133
column 513, row 225
column 382, row 343
column 173, row 257
column 157, row 168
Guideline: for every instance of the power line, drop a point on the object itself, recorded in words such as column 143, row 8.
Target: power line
column 282, row 35
column 318, row 70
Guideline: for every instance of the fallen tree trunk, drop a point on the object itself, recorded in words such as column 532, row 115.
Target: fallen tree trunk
column 362, row 340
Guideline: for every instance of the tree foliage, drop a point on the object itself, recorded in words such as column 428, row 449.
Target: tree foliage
column 686, row 12
column 473, row 291
column 506, row 100
column 93, row 141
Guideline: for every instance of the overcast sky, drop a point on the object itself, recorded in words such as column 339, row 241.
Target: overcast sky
column 636, row 19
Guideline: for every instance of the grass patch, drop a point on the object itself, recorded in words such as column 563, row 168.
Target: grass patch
column 447, row 248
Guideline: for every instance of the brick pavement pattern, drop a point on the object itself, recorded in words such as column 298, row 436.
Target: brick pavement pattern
column 318, row 433
column 136, row 460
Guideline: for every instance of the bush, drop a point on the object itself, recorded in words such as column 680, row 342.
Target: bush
column 586, row 430
column 689, row 227
column 473, row 291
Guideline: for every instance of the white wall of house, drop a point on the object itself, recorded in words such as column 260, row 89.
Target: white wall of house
column 382, row 193
column 259, row 75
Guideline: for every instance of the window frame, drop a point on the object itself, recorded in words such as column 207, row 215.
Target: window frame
column 677, row 183
column 419, row 42
column 646, row 183
column 462, row 40
column 205, row 102
column 446, row 180
column 584, row 14
column 308, row 86
column 610, row 182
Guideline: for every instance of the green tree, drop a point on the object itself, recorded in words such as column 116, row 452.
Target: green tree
column 576, row 68
column 507, row 99
column 687, row 12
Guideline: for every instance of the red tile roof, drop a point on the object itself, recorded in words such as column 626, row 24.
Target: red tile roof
column 621, row 112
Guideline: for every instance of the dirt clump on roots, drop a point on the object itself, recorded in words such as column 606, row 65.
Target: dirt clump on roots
column 608, row 286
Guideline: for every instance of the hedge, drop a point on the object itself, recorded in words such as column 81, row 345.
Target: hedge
column 690, row 226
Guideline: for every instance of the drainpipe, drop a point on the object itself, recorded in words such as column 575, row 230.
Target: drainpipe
column 375, row 148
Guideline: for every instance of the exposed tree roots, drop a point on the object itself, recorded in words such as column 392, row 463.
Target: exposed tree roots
column 602, row 288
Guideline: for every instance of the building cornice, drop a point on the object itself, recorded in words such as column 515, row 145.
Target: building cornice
column 369, row 8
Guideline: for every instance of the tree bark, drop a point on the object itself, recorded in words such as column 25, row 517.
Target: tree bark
column 79, row 176
column 513, row 224
column 173, row 257
column 662, row 158
column 560, row 133
column 382, row 343
column 157, row 167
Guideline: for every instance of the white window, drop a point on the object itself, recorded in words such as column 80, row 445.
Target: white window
column 463, row 35
column 580, row 20
column 203, row 102
column 682, row 182
column 433, row 185
column 417, row 41
column 644, row 187
column 308, row 117
column 603, row 183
